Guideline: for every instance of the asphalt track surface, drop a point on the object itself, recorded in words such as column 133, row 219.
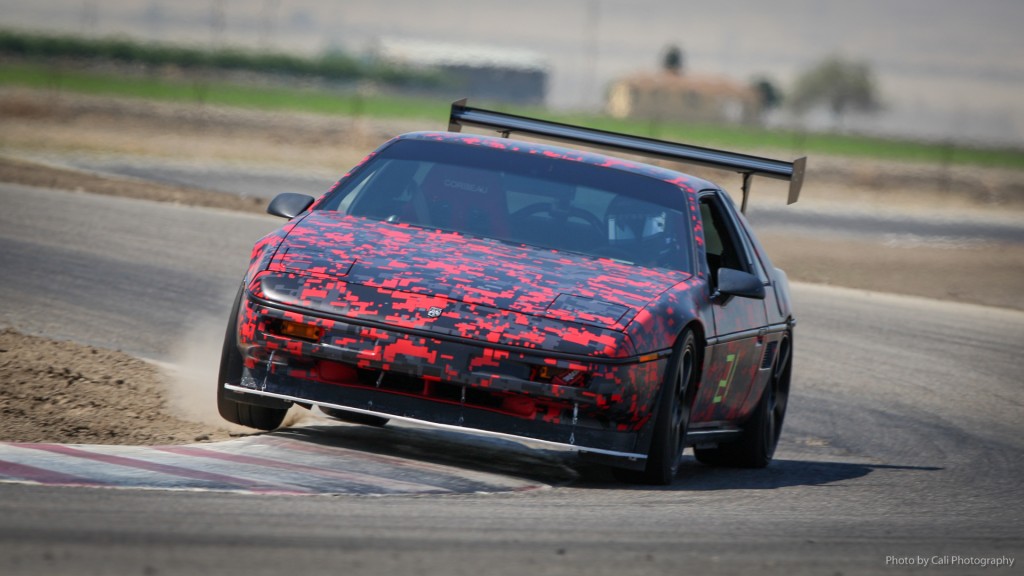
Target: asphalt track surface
column 903, row 440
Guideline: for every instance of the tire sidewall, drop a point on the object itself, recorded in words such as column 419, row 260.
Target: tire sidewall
column 668, row 443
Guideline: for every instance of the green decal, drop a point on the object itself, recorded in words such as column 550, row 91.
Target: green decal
column 723, row 385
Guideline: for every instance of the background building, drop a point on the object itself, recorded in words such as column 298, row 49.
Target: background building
column 478, row 72
column 668, row 96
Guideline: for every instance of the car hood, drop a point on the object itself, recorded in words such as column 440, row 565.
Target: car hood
column 432, row 269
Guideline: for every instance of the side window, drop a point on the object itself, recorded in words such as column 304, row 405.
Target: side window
column 722, row 243
column 752, row 256
column 754, row 261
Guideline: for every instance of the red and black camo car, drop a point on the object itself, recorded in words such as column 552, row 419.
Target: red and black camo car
column 523, row 290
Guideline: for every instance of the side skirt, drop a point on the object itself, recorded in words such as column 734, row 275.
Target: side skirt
column 711, row 438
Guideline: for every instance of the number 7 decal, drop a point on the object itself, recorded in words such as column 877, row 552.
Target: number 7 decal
column 723, row 385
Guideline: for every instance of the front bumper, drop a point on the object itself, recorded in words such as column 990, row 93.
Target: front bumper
column 476, row 386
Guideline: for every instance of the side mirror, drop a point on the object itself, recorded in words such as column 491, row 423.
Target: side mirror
column 289, row 205
column 738, row 283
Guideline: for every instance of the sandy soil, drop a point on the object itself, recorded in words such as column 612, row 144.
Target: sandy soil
column 65, row 392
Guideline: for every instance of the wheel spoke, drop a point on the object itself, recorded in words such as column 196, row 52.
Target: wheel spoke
column 783, row 359
column 777, row 409
column 682, row 384
column 780, row 404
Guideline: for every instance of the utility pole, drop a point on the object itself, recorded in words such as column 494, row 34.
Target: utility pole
column 591, row 24
column 90, row 17
column 267, row 18
column 218, row 23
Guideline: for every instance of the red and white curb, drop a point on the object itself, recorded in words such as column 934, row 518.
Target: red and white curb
column 267, row 464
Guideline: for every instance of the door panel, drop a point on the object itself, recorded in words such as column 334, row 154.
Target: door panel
column 732, row 365
column 729, row 371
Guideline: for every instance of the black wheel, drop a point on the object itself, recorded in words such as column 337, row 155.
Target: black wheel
column 355, row 417
column 672, row 419
column 756, row 446
column 259, row 417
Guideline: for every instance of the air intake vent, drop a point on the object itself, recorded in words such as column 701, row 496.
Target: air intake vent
column 769, row 355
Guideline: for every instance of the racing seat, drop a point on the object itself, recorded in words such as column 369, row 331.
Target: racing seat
column 466, row 200
column 642, row 232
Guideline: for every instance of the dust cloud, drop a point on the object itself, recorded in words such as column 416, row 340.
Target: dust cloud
column 191, row 378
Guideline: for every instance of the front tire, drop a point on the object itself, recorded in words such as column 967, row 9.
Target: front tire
column 672, row 419
column 756, row 447
column 231, row 364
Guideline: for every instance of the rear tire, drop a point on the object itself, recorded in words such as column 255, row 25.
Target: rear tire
column 672, row 419
column 756, row 446
column 259, row 417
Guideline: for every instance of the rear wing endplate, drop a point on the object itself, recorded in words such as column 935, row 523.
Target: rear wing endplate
column 749, row 166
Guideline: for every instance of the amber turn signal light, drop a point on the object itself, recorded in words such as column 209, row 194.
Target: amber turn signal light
column 301, row 331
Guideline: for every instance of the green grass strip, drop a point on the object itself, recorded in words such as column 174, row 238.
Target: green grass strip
column 210, row 90
column 207, row 88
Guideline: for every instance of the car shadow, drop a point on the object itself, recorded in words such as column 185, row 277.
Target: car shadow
column 780, row 473
column 446, row 448
column 559, row 468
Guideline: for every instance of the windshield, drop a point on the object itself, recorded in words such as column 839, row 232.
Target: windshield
column 521, row 198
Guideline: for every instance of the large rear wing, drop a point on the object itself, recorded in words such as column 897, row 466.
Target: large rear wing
column 748, row 166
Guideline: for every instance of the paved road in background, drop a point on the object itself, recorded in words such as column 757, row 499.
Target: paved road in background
column 904, row 439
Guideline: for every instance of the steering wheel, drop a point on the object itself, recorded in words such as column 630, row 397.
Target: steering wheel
column 560, row 214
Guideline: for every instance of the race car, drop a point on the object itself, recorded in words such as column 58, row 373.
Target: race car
column 529, row 291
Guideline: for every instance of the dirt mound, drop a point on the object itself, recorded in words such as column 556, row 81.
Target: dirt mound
column 65, row 392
